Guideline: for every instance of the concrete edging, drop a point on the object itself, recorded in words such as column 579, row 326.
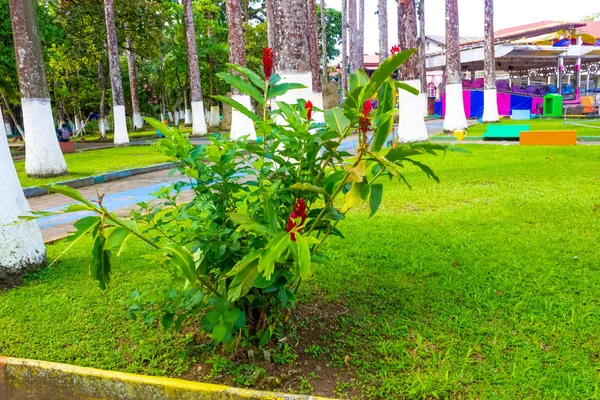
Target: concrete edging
column 36, row 191
column 26, row 379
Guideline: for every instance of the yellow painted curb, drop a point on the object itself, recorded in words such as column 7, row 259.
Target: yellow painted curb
column 31, row 379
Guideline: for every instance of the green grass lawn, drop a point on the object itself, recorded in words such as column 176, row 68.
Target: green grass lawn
column 96, row 162
column 145, row 134
column 546, row 124
column 483, row 286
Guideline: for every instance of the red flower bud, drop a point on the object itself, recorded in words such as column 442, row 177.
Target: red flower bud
column 364, row 122
column 308, row 106
column 299, row 212
column 268, row 62
column 395, row 49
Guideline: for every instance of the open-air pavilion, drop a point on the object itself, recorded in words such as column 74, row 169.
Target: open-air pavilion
column 532, row 61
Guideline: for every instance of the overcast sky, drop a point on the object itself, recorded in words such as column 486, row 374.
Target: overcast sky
column 508, row 13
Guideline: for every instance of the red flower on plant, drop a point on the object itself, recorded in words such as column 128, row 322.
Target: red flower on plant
column 296, row 219
column 395, row 49
column 268, row 62
column 309, row 106
column 364, row 122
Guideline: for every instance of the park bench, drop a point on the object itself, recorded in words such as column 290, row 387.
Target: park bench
column 504, row 132
column 549, row 138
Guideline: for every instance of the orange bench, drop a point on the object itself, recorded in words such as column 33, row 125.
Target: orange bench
column 67, row 147
column 549, row 138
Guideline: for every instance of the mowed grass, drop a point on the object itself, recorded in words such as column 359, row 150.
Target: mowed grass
column 90, row 163
column 592, row 127
column 147, row 133
column 483, row 286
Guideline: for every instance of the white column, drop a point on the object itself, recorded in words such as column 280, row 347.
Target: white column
column 455, row 109
column 241, row 125
column 21, row 245
column 120, row 128
column 43, row 155
column 411, row 125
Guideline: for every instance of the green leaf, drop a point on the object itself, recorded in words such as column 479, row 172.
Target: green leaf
column 221, row 333
column 307, row 187
column 303, row 257
column 242, row 281
column 244, row 262
column 83, row 226
column 243, row 86
column 182, row 258
column 388, row 67
column 167, row 320
column 69, row 192
column 353, row 197
column 161, row 127
column 386, row 99
column 117, row 239
column 357, row 79
column 238, row 106
column 407, row 87
column 401, row 153
column 283, row 88
column 248, row 224
column 270, row 214
column 256, row 79
column 375, row 198
column 336, row 120
column 100, row 264
column 320, row 259
column 274, row 250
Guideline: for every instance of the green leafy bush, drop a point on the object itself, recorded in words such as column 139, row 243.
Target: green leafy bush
column 261, row 209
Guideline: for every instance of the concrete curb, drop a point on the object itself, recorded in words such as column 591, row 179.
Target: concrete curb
column 30, row 379
column 36, row 191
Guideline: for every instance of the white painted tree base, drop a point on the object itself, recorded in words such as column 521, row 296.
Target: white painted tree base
column 241, row 125
column 170, row 116
column 304, row 78
column 490, row 106
column 317, row 100
column 43, row 157
column 3, row 130
column 411, row 124
column 188, row 116
column 103, row 126
column 199, row 127
column 121, row 135
column 21, row 245
column 424, row 98
column 455, row 119
column 138, row 121
column 215, row 117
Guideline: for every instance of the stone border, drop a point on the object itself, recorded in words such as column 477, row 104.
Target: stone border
column 24, row 379
column 36, row 191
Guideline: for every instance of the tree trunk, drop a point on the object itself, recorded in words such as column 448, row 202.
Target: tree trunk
column 422, row 47
column 383, row 31
column 313, row 46
column 361, row 35
column 138, row 122
column 188, row 111
column 120, row 122
column 344, row 45
column 270, row 29
column 101, row 112
column 292, row 56
column 325, row 71
column 43, row 156
column 241, row 125
column 455, row 112
column 198, row 119
column 411, row 125
column 353, row 29
column 490, row 96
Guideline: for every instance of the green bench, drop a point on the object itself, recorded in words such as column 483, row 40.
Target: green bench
column 505, row 132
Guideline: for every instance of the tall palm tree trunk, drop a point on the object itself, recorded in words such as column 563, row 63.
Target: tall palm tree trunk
column 102, row 110
column 490, row 95
column 353, row 31
column 43, row 156
column 198, row 118
column 138, row 122
column 361, row 35
column 120, row 122
column 455, row 111
column 292, row 55
column 241, row 125
column 324, row 43
column 313, row 46
column 411, row 125
column 344, row 44
column 423, row 56
column 383, row 30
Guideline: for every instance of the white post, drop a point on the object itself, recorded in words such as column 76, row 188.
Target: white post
column 21, row 245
